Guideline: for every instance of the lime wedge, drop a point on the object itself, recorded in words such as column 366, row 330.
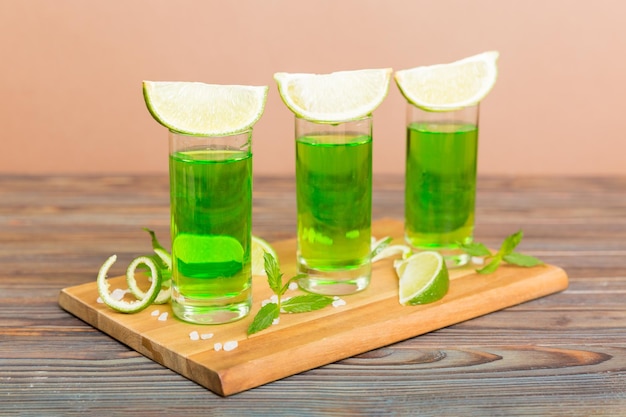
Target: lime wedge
column 204, row 109
column 423, row 278
column 335, row 97
column 450, row 86
column 259, row 247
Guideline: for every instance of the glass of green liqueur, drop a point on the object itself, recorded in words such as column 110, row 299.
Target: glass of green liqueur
column 333, row 132
column 334, row 204
column 440, row 183
column 211, row 212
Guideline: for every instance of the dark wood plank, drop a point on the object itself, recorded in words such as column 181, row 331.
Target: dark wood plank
column 564, row 354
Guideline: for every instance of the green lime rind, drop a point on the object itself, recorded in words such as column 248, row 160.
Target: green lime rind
column 163, row 293
column 123, row 306
column 434, row 293
column 424, row 278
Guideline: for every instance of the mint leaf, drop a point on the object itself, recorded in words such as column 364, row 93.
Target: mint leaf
column 505, row 253
column 520, row 259
column 286, row 286
column 382, row 245
column 274, row 276
column 155, row 241
column 264, row 318
column 306, row 303
column 491, row 266
column 510, row 243
column 475, row 249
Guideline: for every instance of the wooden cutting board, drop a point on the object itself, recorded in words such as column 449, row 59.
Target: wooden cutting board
column 299, row 342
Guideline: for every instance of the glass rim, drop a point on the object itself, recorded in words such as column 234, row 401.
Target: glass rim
column 411, row 105
column 336, row 122
column 197, row 135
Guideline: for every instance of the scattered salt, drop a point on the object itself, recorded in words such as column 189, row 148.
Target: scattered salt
column 155, row 313
column 265, row 302
column 163, row 316
column 194, row 335
column 118, row 294
column 274, row 298
column 205, row 336
column 99, row 300
column 276, row 321
column 228, row 346
column 477, row 260
column 217, row 347
column 339, row 302
column 293, row 286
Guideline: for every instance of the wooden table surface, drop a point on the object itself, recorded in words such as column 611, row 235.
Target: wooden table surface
column 564, row 354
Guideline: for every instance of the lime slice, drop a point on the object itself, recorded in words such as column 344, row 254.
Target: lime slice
column 259, row 247
column 451, row 86
column 335, row 97
column 129, row 306
column 204, row 109
column 423, row 279
column 392, row 250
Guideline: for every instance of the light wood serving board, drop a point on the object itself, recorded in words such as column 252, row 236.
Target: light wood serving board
column 299, row 342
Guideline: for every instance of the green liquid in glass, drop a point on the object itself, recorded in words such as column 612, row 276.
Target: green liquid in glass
column 334, row 198
column 211, row 203
column 440, row 184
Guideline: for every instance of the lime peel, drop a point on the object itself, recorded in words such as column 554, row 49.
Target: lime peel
column 164, row 292
column 129, row 306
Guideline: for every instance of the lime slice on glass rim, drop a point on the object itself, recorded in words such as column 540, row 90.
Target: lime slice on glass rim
column 423, row 278
column 204, row 109
column 452, row 86
column 335, row 97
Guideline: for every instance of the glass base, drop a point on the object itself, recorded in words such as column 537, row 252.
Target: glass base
column 453, row 256
column 201, row 312
column 334, row 282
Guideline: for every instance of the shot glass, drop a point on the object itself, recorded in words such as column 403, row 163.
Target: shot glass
column 334, row 200
column 211, row 223
column 440, row 183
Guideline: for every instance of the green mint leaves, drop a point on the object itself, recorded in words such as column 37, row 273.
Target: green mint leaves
column 298, row 304
column 506, row 253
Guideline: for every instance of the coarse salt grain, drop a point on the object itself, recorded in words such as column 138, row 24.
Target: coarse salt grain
column 155, row 313
column 118, row 294
column 338, row 303
column 477, row 260
column 194, row 335
column 163, row 316
column 276, row 321
column 99, row 301
column 293, row 286
column 217, row 347
column 230, row 345
column 205, row 336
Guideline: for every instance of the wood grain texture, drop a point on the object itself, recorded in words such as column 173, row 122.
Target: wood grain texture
column 562, row 355
column 370, row 319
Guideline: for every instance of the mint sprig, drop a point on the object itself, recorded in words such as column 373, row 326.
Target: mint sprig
column 506, row 253
column 298, row 304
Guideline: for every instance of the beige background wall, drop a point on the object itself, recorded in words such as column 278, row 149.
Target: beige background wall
column 71, row 72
